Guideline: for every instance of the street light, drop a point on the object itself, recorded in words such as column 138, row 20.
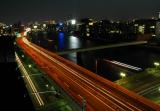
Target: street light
column 47, row 85
column 22, row 56
column 156, row 64
column 122, row 74
column 29, row 65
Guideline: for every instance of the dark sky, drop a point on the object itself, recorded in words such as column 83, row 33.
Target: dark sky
column 39, row 10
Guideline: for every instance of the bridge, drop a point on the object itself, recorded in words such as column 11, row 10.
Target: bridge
column 102, row 47
column 99, row 93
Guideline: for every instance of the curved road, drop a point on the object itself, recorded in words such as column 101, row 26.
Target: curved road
column 99, row 93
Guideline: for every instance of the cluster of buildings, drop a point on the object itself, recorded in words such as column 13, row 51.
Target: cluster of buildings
column 4, row 29
column 103, row 29
column 91, row 29
column 110, row 30
column 11, row 30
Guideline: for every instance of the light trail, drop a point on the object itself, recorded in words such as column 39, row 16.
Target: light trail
column 102, row 90
column 39, row 99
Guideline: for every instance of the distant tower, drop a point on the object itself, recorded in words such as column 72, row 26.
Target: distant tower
column 158, row 26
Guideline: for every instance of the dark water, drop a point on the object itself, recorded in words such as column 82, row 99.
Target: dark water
column 61, row 42
column 138, row 56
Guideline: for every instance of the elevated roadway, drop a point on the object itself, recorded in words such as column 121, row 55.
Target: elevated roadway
column 81, row 84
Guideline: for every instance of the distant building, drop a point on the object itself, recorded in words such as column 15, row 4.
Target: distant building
column 105, row 30
column 87, row 28
column 48, row 26
column 144, row 26
column 2, row 26
column 18, row 27
column 158, row 26
column 72, row 26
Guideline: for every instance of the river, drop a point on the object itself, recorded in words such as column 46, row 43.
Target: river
column 101, row 62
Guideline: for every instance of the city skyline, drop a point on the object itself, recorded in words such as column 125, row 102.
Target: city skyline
column 26, row 11
column 80, row 55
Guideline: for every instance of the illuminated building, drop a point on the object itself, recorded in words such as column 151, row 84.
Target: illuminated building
column 87, row 28
column 144, row 26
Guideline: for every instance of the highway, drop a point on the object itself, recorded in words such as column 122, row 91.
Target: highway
column 99, row 93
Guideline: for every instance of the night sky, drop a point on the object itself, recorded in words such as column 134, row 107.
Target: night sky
column 41, row 10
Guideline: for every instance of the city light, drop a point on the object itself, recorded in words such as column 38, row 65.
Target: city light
column 87, row 34
column 44, row 25
column 135, row 25
column 87, row 29
column 91, row 23
column 141, row 29
column 152, row 27
column 73, row 22
column 35, row 27
column 28, row 29
column 60, row 24
column 47, row 85
column 153, row 35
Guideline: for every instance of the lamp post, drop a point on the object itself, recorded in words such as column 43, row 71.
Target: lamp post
column 22, row 56
column 29, row 65
column 122, row 74
column 156, row 64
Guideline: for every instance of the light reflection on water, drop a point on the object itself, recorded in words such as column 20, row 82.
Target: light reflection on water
column 74, row 42
column 67, row 42
column 60, row 40
column 136, row 56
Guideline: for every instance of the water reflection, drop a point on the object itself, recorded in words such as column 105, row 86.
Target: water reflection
column 138, row 56
column 74, row 42
column 61, row 41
